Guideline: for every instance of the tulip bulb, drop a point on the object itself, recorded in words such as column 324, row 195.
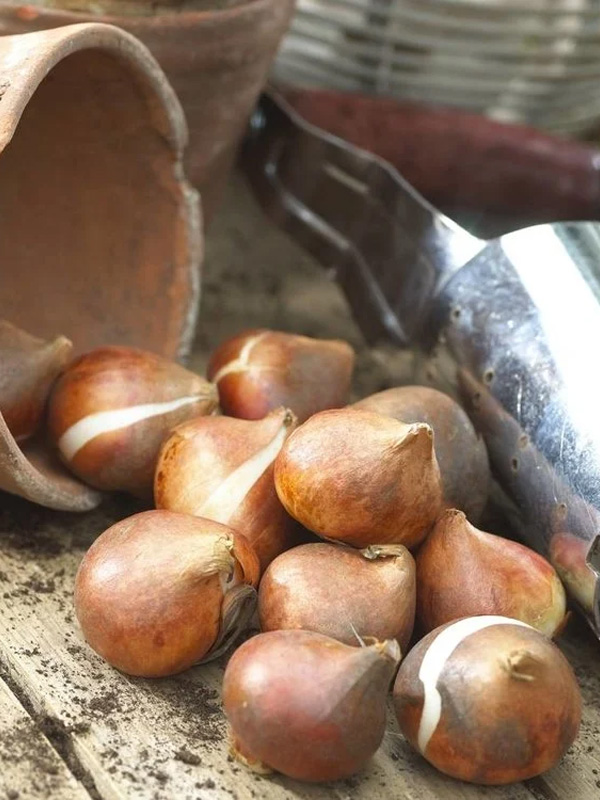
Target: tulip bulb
column 306, row 705
column 462, row 571
column 568, row 554
column 459, row 449
column 341, row 592
column 111, row 410
column 29, row 367
column 221, row 468
column 261, row 370
column 488, row 699
column 160, row 591
column 361, row 478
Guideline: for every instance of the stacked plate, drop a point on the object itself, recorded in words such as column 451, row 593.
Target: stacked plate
column 533, row 61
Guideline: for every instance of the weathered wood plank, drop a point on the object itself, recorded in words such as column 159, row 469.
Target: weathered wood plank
column 30, row 768
column 137, row 738
column 167, row 740
column 579, row 773
column 299, row 299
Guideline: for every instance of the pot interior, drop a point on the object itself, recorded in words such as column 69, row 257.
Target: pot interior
column 91, row 220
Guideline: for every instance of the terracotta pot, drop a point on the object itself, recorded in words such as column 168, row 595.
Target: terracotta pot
column 100, row 232
column 216, row 60
column 497, row 176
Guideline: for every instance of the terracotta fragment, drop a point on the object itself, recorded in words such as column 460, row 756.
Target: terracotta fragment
column 100, row 231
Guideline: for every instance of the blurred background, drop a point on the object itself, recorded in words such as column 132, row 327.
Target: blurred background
column 528, row 61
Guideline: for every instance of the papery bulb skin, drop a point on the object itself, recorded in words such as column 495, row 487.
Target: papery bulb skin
column 488, row 700
column 160, row 591
column 341, row 592
column 261, row 370
column 222, row 468
column 462, row 571
column 361, row 478
column 306, row 705
column 460, row 451
column 568, row 555
column 111, row 410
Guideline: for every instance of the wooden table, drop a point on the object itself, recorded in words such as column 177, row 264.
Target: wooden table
column 71, row 727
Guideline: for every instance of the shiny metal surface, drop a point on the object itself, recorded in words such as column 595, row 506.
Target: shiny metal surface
column 511, row 326
column 357, row 215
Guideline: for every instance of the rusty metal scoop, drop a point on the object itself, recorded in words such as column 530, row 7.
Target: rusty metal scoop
column 511, row 325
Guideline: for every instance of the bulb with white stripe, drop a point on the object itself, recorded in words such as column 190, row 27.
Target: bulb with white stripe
column 221, row 468
column 111, row 410
column 488, row 699
column 261, row 370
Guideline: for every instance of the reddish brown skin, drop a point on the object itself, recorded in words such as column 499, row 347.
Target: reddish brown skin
column 463, row 572
column 303, row 374
column 336, row 591
column 141, row 596
column 358, row 477
column 119, row 377
column 306, row 705
column 568, row 555
column 460, row 450
column 495, row 728
column 265, row 522
column 212, row 447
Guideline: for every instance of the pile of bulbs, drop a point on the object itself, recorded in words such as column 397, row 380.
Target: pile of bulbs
column 244, row 469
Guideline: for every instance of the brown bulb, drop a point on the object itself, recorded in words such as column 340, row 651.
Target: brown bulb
column 462, row 571
column 306, row 705
column 159, row 592
column 341, row 592
column 111, row 410
column 361, row 478
column 461, row 453
column 222, row 468
column 568, row 554
column 29, row 367
column 488, row 700
column 261, row 370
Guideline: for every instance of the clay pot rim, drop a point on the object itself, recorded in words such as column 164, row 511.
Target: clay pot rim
column 57, row 490
column 29, row 58
column 35, row 56
column 174, row 18
column 59, row 43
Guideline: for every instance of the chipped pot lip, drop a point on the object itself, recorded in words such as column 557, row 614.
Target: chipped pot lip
column 19, row 476
column 32, row 56
column 28, row 58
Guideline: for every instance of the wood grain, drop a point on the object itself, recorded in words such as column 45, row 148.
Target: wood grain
column 29, row 765
column 138, row 739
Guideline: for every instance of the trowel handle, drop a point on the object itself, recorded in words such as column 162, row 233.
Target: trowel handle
column 388, row 248
column 503, row 175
